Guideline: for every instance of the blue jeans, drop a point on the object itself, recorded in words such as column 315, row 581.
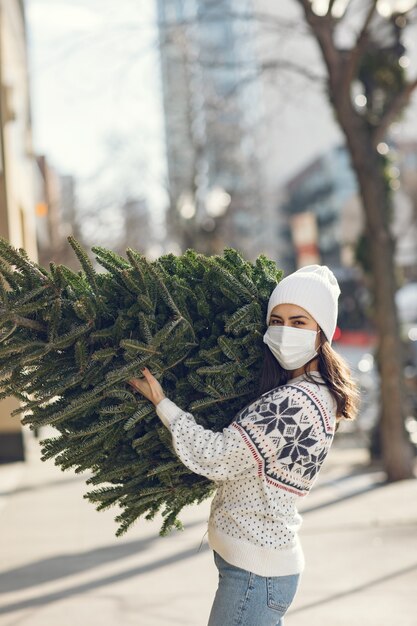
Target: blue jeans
column 246, row 599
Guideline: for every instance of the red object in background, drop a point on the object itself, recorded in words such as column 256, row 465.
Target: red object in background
column 354, row 337
column 305, row 238
column 337, row 334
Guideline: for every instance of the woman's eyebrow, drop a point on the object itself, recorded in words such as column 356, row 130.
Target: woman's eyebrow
column 293, row 317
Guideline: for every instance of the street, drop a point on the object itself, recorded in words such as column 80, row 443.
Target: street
column 61, row 563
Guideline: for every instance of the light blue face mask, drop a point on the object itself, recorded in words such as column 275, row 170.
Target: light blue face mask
column 292, row 347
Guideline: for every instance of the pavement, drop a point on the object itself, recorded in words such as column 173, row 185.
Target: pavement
column 61, row 564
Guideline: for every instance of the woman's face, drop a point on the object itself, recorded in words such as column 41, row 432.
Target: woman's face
column 292, row 315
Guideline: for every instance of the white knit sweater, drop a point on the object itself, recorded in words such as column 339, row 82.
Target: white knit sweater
column 262, row 463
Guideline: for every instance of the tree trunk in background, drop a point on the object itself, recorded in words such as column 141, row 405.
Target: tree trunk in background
column 396, row 449
column 369, row 169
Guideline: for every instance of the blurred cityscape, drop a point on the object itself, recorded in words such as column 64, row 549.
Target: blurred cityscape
column 237, row 146
column 222, row 187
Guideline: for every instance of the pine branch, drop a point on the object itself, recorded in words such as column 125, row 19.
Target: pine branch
column 85, row 262
column 195, row 321
column 23, row 322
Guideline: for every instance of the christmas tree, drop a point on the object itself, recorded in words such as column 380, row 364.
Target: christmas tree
column 70, row 341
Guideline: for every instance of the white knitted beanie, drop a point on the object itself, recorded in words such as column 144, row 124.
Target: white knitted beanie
column 315, row 289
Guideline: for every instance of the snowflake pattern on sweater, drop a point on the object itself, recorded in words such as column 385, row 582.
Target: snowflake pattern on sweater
column 262, row 463
column 288, row 431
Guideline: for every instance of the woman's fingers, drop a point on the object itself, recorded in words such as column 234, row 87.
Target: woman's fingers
column 149, row 377
column 139, row 385
column 135, row 382
column 146, row 391
column 151, row 380
column 154, row 386
column 148, row 386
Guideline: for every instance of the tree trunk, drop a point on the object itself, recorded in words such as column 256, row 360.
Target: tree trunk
column 366, row 162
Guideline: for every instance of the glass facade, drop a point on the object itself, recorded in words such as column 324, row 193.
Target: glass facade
column 207, row 55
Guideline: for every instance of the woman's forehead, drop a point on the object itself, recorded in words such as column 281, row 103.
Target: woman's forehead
column 288, row 310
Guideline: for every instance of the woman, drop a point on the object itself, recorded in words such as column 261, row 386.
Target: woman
column 271, row 453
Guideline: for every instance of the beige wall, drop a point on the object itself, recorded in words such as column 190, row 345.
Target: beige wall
column 17, row 213
column 18, row 168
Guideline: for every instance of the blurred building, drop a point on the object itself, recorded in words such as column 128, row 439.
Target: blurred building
column 17, row 210
column 406, row 222
column 137, row 225
column 324, row 221
column 324, row 194
column 212, row 104
column 56, row 215
column 314, row 204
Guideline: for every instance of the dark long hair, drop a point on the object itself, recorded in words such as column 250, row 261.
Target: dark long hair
column 334, row 370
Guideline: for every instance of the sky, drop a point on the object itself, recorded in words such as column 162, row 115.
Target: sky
column 95, row 92
column 97, row 106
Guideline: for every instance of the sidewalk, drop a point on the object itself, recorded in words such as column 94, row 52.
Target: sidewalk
column 60, row 563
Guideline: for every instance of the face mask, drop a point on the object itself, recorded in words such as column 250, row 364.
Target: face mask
column 292, row 347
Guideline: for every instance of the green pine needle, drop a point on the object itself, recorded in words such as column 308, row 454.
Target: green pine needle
column 70, row 342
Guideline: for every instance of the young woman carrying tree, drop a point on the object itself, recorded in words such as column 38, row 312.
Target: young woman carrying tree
column 271, row 453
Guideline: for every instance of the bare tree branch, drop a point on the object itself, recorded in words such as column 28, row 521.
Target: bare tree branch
column 323, row 29
column 308, row 9
column 397, row 105
column 258, row 17
column 272, row 65
column 267, row 65
column 357, row 50
column 330, row 7
column 283, row 64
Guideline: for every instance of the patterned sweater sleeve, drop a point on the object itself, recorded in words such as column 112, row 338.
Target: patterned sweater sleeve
column 290, row 429
column 283, row 437
column 217, row 456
